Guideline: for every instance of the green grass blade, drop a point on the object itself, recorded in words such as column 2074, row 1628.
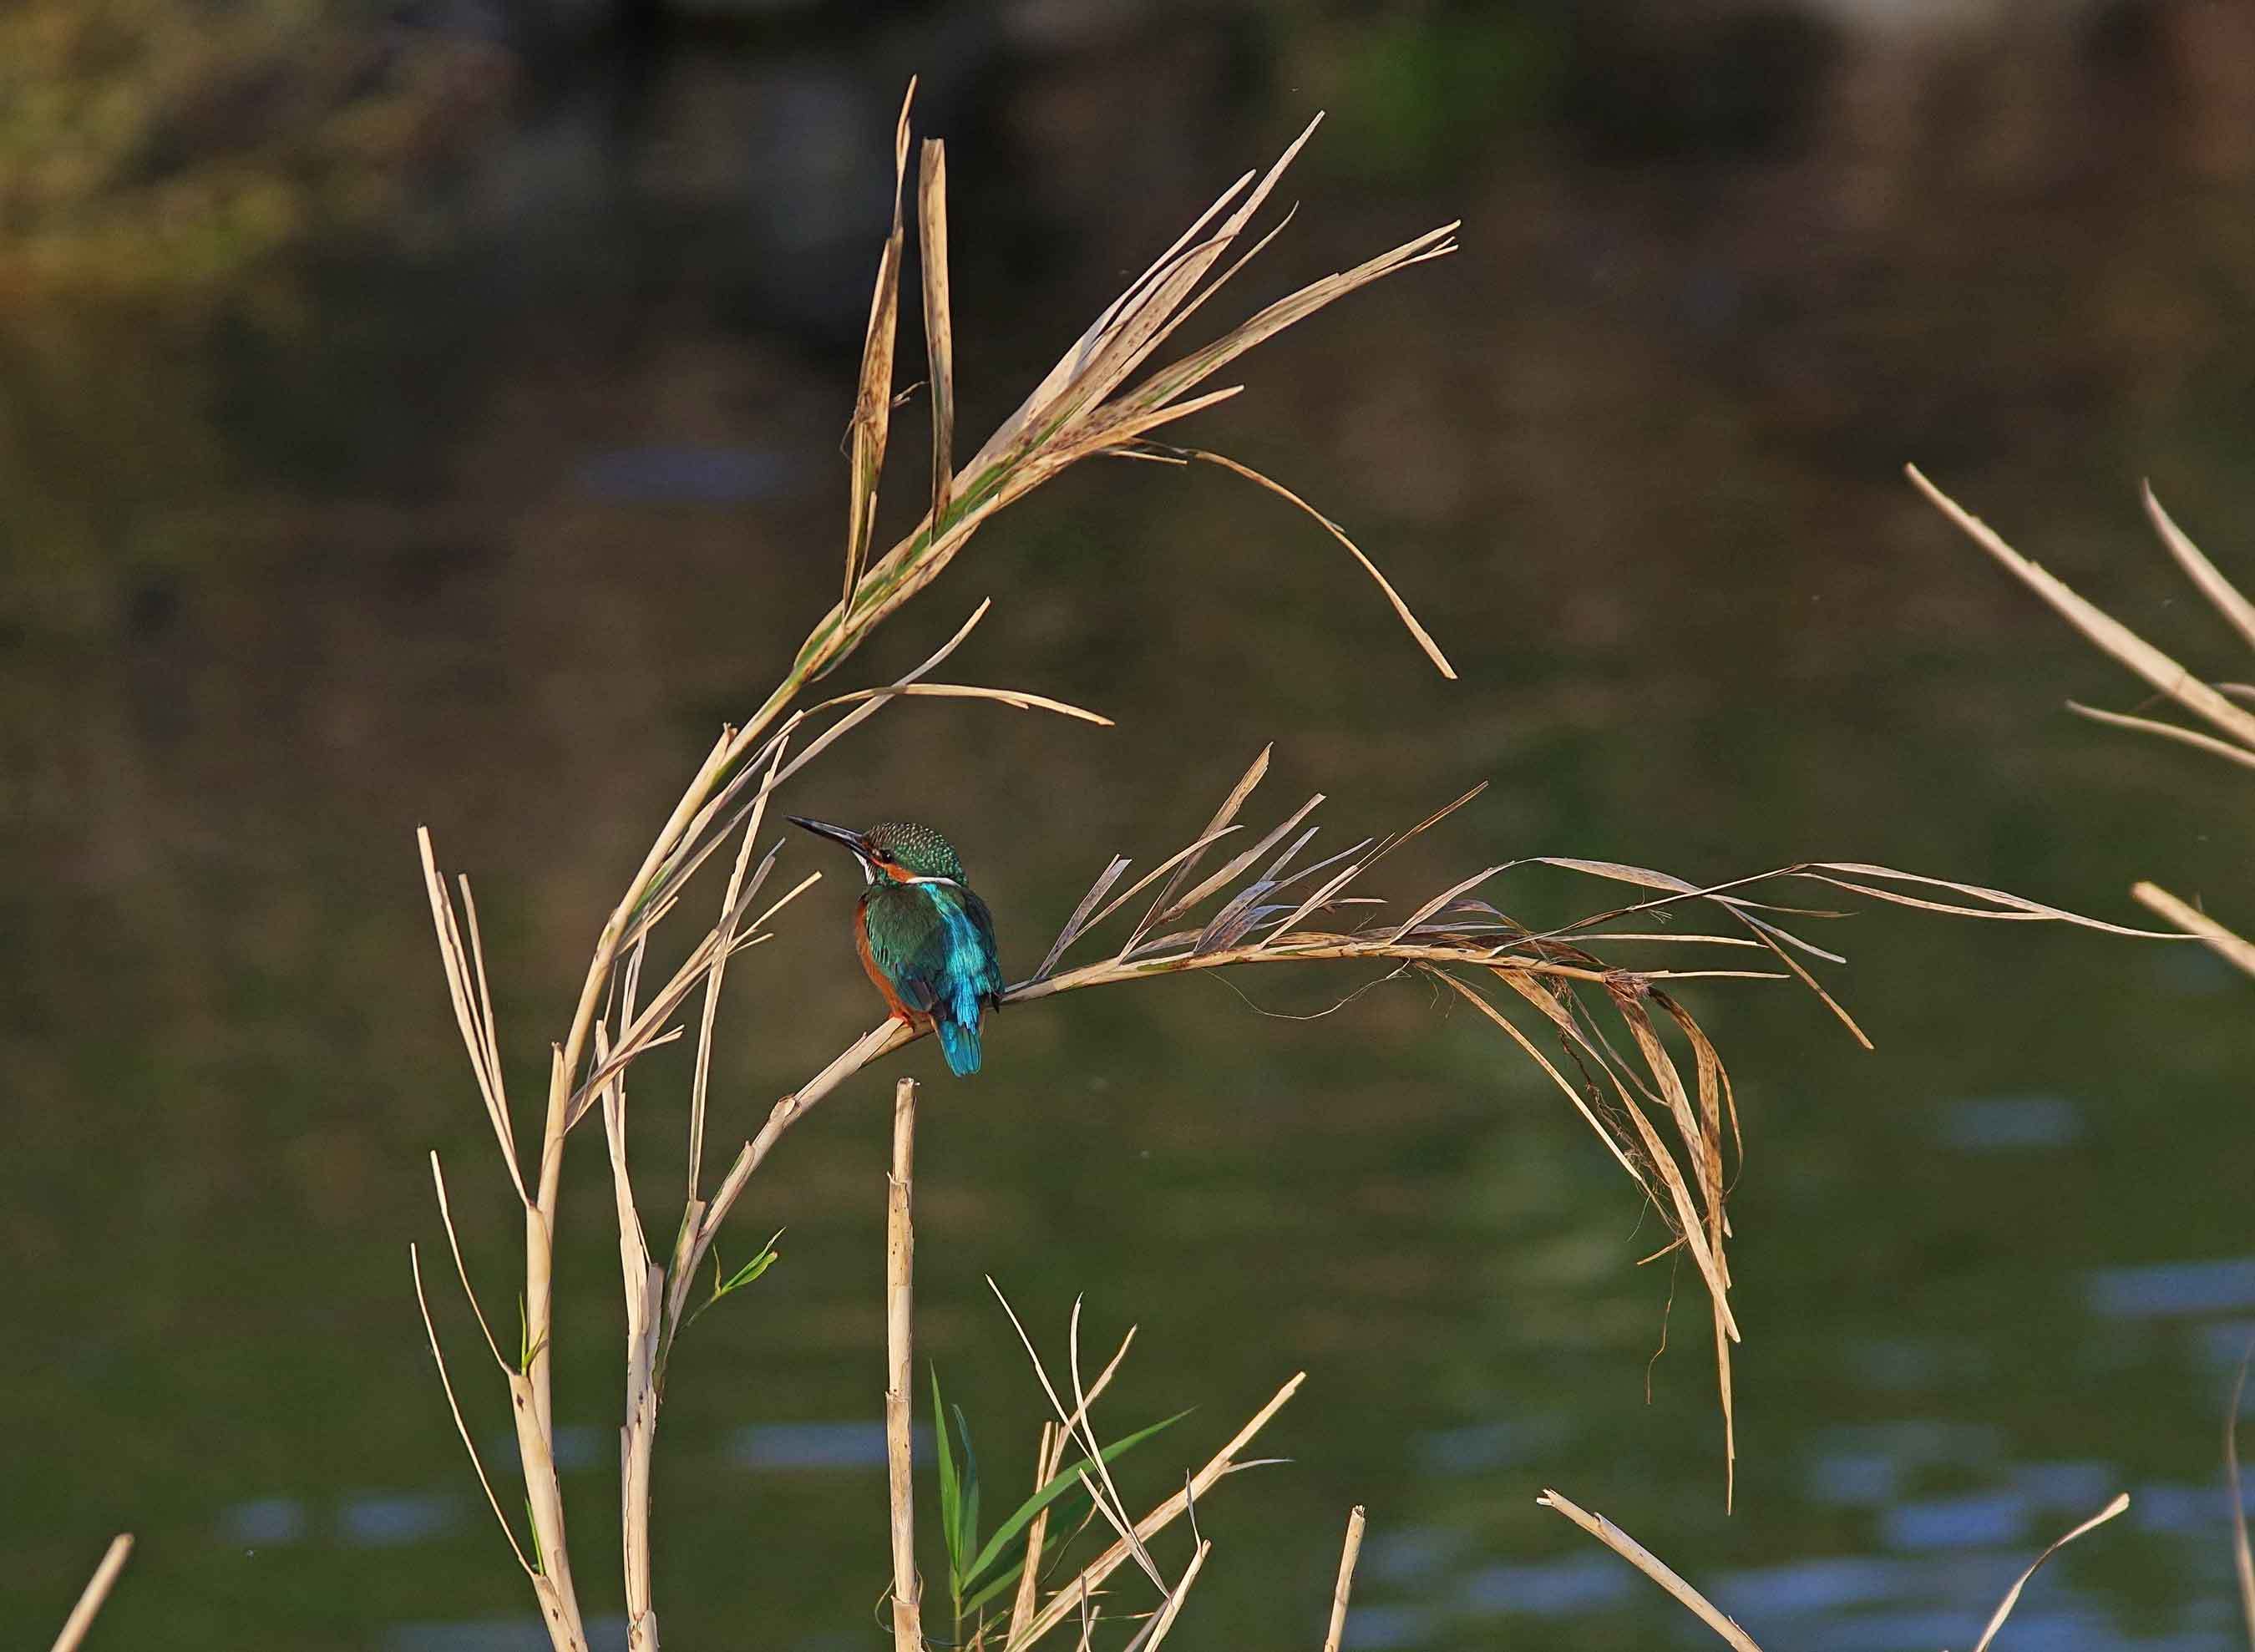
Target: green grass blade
column 968, row 1524
column 951, row 1492
column 1065, row 1479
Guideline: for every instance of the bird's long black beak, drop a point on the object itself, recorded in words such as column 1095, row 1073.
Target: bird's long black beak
column 855, row 841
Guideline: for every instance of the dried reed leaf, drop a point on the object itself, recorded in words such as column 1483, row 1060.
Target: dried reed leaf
column 873, row 404
column 2125, row 645
column 1171, row 382
column 938, row 329
column 701, row 1076
column 1230, row 806
column 1400, row 609
column 2013, row 1595
column 2223, row 596
column 1173, row 863
column 1652, row 1566
column 1231, row 870
column 1078, row 921
column 461, row 1271
column 1571, row 1092
column 2208, row 743
column 415, row 1265
column 1446, row 897
column 2014, row 908
column 1017, row 699
column 472, row 1013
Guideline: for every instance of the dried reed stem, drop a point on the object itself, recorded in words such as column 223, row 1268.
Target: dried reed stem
column 1348, row 1552
column 1048, row 1458
column 900, row 1300
column 96, row 1591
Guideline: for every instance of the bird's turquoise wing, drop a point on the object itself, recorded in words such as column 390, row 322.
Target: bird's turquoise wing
column 936, row 945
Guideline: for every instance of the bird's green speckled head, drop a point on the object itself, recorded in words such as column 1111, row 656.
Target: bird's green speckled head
column 917, row 850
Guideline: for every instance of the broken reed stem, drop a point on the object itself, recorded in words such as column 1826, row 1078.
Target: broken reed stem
column 1348, row 1552
column 900, row 1296
column 1048, row 1458
column 96, row 1591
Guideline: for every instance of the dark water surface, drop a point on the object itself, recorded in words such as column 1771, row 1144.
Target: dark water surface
column 491, row 531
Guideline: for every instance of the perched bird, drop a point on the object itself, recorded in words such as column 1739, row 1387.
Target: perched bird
column 927, row 941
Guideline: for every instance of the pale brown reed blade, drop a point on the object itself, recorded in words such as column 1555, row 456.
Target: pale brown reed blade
column 1235, row 867
column 2013, row 1595
column 873, row 404
column 1222, row 819
column 96, row 1591
column 2160, row 671
column 1348, row 1551
column 473, row 1007
column 2241, row 754
column 938, row 328
column 1048, row 1454
column 1651, row 1566
column 1125, row 334
column 461, row 1271
column 1400, row 608
column 900, row 1303
column 2236, row 949
column 701, row 1079
column 1074, row 925
column 2222, row 594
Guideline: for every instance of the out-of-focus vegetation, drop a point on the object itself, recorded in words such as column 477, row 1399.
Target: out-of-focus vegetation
column 172, row 144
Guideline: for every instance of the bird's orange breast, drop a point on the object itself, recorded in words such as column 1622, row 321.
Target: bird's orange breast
column 882, row 982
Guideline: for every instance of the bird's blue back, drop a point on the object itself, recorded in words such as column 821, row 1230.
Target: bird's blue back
column 935, row 943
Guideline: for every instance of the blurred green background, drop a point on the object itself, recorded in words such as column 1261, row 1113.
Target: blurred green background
column 431, row 415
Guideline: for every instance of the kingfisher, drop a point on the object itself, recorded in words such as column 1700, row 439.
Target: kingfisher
column 925, row 939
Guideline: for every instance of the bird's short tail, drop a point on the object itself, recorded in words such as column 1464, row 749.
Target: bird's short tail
column 961, row 1043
